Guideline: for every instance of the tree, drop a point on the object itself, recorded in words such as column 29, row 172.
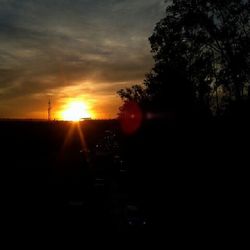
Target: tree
column 201, row 52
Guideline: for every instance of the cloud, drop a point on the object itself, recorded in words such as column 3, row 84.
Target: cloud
column 49, row 45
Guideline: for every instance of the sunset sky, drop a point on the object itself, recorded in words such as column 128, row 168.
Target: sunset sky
column 72, row 50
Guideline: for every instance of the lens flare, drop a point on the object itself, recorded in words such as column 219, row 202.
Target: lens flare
column 131, row 117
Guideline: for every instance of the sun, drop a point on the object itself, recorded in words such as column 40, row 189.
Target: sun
column 75, row 111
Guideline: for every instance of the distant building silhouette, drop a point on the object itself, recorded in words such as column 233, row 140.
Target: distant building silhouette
column 86, row 119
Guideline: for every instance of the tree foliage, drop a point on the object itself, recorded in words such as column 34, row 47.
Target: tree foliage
column 201, row 52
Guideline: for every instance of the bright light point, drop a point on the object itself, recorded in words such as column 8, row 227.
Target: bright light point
column 75, row 111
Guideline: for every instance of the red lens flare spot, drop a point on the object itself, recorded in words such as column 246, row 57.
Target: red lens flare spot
column 131, row 117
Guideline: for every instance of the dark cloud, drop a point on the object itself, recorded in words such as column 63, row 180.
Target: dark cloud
column 47, row 45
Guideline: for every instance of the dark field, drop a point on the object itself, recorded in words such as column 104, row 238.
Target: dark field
column 66, row 176
column 101, row 180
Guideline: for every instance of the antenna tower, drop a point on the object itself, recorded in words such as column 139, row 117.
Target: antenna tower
column 49, row 110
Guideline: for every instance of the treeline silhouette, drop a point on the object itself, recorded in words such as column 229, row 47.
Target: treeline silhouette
column 187, row 124
column 201, row 53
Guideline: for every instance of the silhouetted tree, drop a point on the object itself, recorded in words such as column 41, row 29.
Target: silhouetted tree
column 201, row 52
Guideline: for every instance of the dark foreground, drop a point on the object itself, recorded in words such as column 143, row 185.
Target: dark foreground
column 166, row 179
column 66, row 176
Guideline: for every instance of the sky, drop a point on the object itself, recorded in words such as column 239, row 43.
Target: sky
column 72, row 50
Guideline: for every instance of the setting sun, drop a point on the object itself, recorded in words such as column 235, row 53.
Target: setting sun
column 75, row 111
